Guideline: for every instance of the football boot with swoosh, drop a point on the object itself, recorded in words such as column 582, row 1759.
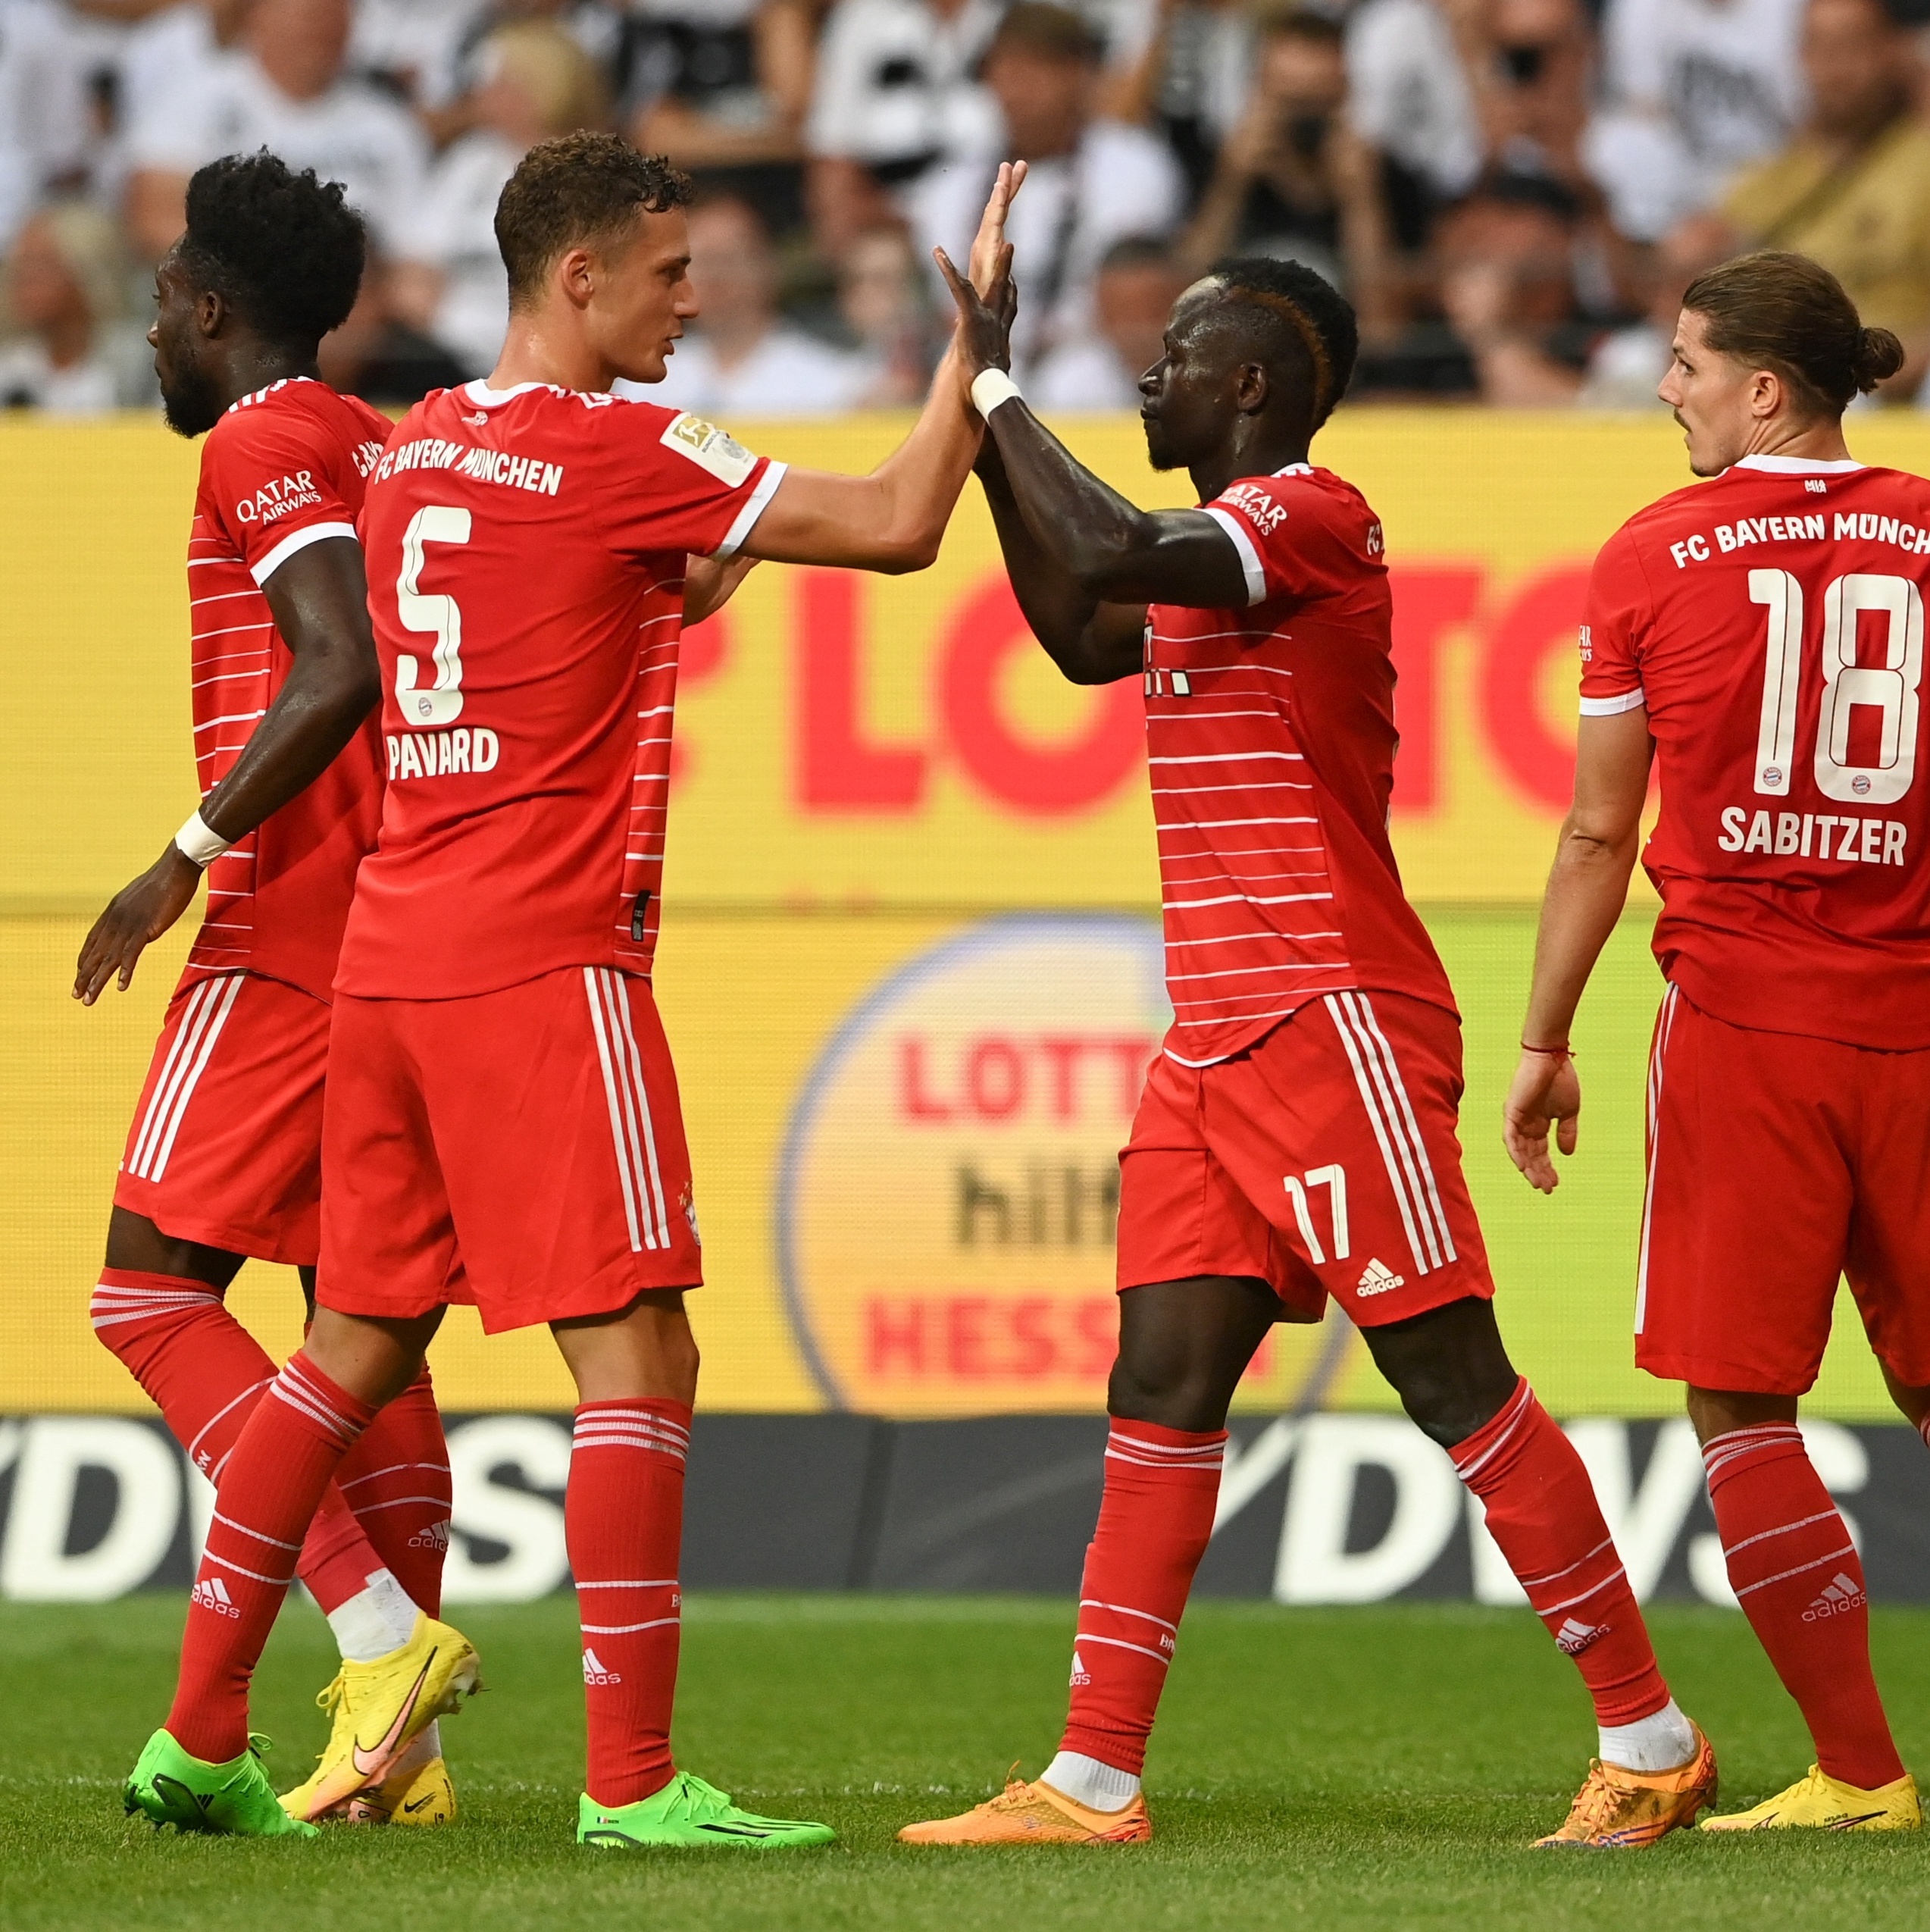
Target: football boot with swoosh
column 419, row 1790
column 688, row 1814
column 1819, row 1802
column 169, row 1785
column 1618, row 1810
column 1035, row 1814
column 380, row 1708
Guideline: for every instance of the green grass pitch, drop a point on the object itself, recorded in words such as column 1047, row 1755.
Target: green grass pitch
column 1339, row 1769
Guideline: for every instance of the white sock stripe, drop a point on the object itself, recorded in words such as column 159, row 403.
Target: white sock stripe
column 1218, row 1463
column 624, row 1630
column 221, row 1008
column 1372, row 1105
column 208, row 1556
column 643, row 1583
column 1413, row 1125
column 1384, row 1083
column 242, row 1530
column 631, row 1426
column 393, row 1469
column 1517, row 1403
column 620, row 995
column 615, row 1412
column 1830, row 1515
column 226, row 1408
column 1556, row 1576
column 1783, row 1575
column 1119, row 1643
column 189, row 1031
column 1758, row 1431
column 296, row 1395
column 1127, row 1610
column 1594, row 1589
column 620, row 1139
column 1216, row 1447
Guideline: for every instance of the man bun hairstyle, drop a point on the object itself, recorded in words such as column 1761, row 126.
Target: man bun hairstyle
column 572, row 192
column 1777, row 311
column 1314, row 323
column 285, row 250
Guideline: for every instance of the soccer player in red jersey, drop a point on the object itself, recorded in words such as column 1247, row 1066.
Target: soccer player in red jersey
column 503, row 1122
column 1759, row 637
column 223, row 1159
column 1297, row 1137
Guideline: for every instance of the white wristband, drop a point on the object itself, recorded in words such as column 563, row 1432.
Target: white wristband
column 199, row 845
column 990, row 387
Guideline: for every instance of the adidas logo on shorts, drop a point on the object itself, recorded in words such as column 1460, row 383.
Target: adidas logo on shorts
column 593, row 1672
column 1381, row 1279
column 1575, row 1636
column 436, row 1536
column 211, row 1593
column 1081, row 1675
column 1840, row 1594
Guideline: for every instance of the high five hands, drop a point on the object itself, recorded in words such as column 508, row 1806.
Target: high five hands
column 987, row 301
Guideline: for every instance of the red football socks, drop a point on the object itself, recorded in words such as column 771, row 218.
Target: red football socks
column 274, row 1479
column 205, row 1372
column 1154, row 1519
column 1800, row 1581
column 623, row 1518
column 397, row 1479
column 1543, row 1512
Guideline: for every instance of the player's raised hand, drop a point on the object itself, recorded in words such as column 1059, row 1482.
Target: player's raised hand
column 982, row 264
column 983, row 337
column 136, row 916
column 1546, row 1092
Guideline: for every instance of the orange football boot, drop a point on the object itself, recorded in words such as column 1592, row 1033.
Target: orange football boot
column 1035, row 1813
column 1633, row 1809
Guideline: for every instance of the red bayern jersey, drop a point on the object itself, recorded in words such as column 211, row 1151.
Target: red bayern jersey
column 1772, row 621
column 1270, row 734
column 284, row 468
column 527, row 550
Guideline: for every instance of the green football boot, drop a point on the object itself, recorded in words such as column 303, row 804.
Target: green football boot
column 688, row 1813
column 171, row 1787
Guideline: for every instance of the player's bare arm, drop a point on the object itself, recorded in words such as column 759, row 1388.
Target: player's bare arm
column 1587, row 889
column 710, row 582
column 320, row 600
column 1208, row 409
column 893, row 520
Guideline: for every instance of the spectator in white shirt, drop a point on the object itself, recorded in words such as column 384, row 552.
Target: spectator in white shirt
column 451, row 284
column 1409, row 96
column 895, row 94
column 45, row 123
column 1091, row 182
column 742, row 359
column 284, row 89
column 1697, row 90
column 1138, row 282
column 76, row 355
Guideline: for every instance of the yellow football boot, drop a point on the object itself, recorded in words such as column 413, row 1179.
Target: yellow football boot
column 1819, row 1802
column 418, row 1791
column 1620, row 1809
column 380, row 1708
column 1035, row 1813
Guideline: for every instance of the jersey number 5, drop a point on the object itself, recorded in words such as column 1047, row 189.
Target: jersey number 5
column 440, row 616
column 1890, row 689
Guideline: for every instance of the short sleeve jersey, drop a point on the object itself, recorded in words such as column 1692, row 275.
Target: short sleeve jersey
column 283, row 468
column 1771, row 621
column 527, row 550
column 1270, row 734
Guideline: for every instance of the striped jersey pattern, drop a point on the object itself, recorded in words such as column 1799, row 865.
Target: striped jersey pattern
column 1246, row 888
column 282, row 468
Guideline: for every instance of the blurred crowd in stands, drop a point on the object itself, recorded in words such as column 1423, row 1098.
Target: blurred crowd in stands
column 1513, row 193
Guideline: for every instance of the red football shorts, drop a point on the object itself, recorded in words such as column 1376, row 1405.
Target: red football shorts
column 226, row 1146
column 522, row 1150
column 1324, row 1161
column 1777, row 1164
